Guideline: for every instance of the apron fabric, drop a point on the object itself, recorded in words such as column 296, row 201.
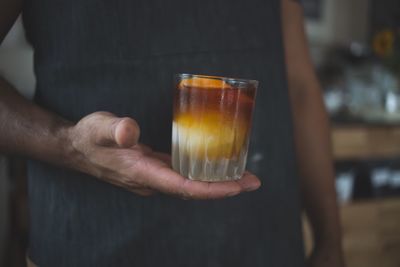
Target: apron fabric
column 120, row 56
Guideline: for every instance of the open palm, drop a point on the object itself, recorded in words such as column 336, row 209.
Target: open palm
column 108, row 150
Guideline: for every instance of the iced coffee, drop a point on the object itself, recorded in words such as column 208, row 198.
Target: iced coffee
column 211, row 126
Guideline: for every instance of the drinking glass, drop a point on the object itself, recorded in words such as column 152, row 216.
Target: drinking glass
column 211, row 126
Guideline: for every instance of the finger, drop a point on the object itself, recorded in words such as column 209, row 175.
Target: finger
column 164, row 179
column 126, row 132
column 249, row 182
column 120, row 180
column 144, row 192
column 142, row 149
column 163, row 157
column 209, row 190
column 111, row 130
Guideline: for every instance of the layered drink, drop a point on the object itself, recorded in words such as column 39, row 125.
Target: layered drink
column 211, row 126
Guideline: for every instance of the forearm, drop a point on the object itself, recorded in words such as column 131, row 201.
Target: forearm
column 28, row 130
column 312, row 140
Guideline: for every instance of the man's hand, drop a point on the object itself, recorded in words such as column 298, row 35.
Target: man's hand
column 106, row 147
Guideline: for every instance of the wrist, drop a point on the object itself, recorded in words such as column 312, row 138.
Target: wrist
column 64, row 139
column 62, row 151
column 74, row 150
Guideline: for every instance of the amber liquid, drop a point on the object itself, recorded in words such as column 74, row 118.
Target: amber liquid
column 210, row 133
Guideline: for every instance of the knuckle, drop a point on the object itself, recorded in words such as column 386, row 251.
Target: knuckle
column 101, row 113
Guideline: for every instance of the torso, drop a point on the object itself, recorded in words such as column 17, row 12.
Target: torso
column 120, row 56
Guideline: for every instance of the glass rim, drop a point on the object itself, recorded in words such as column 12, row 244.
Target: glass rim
column 220, row 78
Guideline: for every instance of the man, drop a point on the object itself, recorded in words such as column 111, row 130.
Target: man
column 119, row 57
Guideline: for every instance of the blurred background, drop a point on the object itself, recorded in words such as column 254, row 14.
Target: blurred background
column 355, row 45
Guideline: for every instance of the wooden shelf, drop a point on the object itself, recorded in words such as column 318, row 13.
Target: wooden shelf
column 357, row 142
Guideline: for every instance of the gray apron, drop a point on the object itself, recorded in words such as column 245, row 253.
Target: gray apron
column 120, row 56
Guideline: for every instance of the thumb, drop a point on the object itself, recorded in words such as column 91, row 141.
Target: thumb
column 112, row 130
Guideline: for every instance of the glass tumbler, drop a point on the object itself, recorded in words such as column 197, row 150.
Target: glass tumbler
column 211, row 126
